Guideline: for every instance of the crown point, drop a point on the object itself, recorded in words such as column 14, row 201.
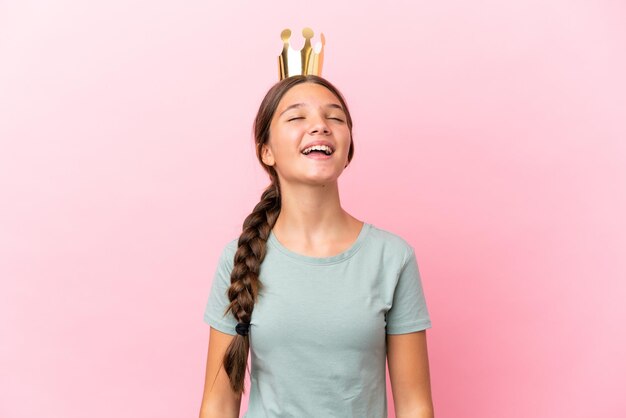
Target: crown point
column 307, row 60
column 317, row 48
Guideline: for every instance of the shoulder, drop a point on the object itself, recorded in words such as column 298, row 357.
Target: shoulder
column 392, row 245
column 231, row 246
column 227, row 254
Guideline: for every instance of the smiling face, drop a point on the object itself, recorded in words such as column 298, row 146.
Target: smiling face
column 308, row 113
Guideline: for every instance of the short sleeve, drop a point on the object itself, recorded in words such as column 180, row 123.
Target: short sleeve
column 218, row 297
column 408, row 312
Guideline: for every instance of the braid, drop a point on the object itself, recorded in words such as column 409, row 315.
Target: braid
column 245, row 283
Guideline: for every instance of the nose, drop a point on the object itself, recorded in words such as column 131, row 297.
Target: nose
column 319, row 125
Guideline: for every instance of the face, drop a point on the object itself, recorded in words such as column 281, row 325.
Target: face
column 306, row 114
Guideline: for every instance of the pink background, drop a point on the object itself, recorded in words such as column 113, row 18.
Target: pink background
column 490, row 134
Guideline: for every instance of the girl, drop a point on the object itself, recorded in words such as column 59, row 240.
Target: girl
column 319, row 298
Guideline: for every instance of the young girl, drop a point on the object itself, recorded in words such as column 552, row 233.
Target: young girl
column 320, row 298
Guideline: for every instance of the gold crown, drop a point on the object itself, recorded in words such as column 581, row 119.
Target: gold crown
column 306, row 61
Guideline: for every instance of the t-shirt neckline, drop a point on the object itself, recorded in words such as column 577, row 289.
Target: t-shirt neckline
column 349, row 252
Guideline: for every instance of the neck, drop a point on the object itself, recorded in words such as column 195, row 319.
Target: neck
column 311, row 213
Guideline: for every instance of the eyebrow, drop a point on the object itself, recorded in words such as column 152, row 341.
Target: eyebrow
column 295, row 105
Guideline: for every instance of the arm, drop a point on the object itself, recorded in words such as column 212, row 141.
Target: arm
column 407, row 359
column 218, row 400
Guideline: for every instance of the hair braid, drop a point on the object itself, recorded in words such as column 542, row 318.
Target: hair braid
column 245, row 282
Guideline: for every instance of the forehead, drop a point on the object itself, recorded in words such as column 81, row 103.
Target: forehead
column 308, row 94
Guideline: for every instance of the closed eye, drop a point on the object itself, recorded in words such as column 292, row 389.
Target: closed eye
column 300, row 117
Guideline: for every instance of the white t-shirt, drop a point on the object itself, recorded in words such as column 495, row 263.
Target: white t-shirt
column 317, row 333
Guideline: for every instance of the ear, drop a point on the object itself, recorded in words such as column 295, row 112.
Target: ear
column 266, row 155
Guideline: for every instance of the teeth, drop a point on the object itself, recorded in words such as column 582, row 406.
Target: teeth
column 324, row 148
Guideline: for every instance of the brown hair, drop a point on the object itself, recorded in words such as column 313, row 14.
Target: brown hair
column 245, row 284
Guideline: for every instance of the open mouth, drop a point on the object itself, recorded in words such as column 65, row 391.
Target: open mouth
column 318, row 150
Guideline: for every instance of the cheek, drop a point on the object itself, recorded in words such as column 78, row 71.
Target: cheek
column 285, row 143
column 346, row 137
column 284, row 132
